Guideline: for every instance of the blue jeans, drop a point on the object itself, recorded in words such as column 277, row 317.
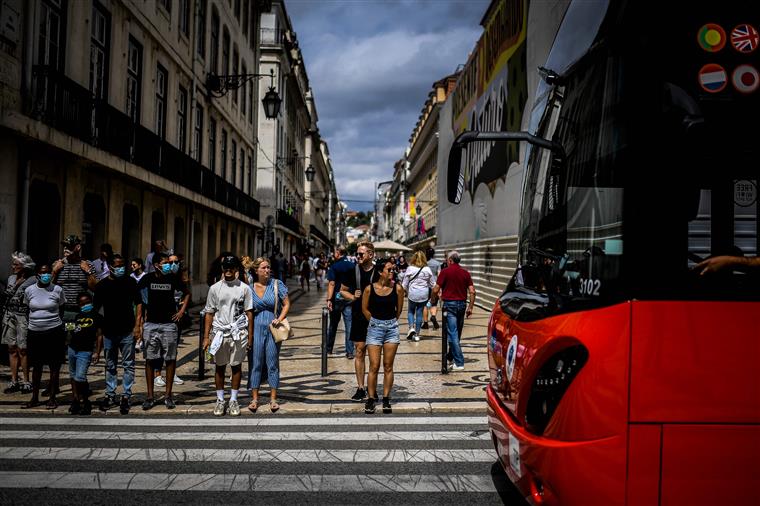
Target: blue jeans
column 79, row 361
column 414, row 314
column 453, row 311
column 113, row 345
column 340, row 307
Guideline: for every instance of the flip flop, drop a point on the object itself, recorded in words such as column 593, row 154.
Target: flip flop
column 253, row 406
column 274, row 406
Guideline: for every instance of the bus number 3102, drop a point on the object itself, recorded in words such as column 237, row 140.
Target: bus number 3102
column 590, row 286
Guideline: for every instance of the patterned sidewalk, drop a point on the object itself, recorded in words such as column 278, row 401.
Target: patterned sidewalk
column 419, row 386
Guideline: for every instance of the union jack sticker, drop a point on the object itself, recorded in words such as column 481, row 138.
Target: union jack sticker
column 745, row 38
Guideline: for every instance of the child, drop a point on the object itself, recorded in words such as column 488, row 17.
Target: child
column 86, row 336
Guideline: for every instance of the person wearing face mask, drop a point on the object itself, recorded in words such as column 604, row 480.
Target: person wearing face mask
column 74, row 275
column 160, row 328
column 46, row 338
column 118, row 295
column 229, row 316
column 86, row 335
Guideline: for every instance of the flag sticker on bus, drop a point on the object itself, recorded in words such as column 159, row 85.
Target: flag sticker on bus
column 711, row 37
column 713, row 78
column 745, row 38
column 745, row 79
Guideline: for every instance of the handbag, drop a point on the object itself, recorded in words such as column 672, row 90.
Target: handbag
column 282, row 331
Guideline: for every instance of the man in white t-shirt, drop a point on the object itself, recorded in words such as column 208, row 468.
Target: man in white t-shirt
column 229, row 315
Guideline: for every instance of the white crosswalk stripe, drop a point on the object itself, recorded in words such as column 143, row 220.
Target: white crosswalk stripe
column 285, row 457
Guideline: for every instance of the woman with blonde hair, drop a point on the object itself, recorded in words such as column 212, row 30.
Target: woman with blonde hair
column 418, row 284
column 265, row 352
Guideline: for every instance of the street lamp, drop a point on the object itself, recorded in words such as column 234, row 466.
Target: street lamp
column 219, row 85
column 310, row 171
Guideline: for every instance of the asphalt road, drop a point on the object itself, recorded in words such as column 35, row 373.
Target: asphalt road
column 365, row 459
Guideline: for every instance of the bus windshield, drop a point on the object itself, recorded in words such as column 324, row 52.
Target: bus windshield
column 660, row 172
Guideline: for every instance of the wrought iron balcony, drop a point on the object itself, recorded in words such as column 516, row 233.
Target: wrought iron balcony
column 287, row 221
column 66, row 106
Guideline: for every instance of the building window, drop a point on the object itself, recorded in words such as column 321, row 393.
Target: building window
column 200, row 37
column 184, row 17
column 251, row 184
column 134, row 79
column 52, row 32
column 225, row 52
column 181, row 118
column 235, row 63
column 198, row 137
column 99, row 43
column 223, row 159
column 233, row 178
column 212, row 144
column 244, row 93
column 246, row 7
column 242, row 168
column 214, row 44
column 166, row 4
column 162, row 78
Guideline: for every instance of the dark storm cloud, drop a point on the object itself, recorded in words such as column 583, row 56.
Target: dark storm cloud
column 371, row 65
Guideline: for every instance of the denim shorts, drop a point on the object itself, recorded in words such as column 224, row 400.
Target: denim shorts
column 382, row 332
column 79, row 361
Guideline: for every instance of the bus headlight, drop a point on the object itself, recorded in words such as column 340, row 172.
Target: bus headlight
column 550, row 385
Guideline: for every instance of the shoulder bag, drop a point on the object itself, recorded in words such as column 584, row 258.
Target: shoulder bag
column 282, row 331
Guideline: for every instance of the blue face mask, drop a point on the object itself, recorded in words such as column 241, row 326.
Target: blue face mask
column 87, row 308
column 45, row 279
column 166, row 268
column 175, row 268
column 119, row 271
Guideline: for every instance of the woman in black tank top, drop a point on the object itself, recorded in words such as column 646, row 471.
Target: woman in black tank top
column 381, row 305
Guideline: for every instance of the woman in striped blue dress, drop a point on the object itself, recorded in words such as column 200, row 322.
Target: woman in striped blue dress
column 265, row 353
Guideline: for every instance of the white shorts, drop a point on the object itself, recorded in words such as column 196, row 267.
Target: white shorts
column 231, row 352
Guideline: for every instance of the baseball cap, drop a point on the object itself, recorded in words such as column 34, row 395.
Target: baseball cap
column 230, row 261
column 71, row 240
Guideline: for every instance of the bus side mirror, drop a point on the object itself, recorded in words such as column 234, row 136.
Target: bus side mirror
column 455, row 169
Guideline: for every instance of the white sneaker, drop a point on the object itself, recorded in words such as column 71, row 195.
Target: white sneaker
column 410, row 335
column 178, row 380
column 219, row 408
column 416, row 337
column 457, row 367
column 234, row 408
column 159, row 381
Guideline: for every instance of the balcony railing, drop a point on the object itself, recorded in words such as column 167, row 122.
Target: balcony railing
column 287, row 221
column 271, row 36
column 71, row 108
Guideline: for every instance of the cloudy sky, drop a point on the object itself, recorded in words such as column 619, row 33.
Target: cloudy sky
column 371, row 64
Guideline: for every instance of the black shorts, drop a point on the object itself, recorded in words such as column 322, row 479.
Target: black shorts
column 46, row 347
column 359, row 326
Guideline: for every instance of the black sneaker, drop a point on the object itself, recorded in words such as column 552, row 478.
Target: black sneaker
column 86, row 408
column 26, row 388
column 107, row 402
column 75, row 408
column 124, row 406
column 360, row 395
column 425, row 326
column 387, row 405
column 435, row 322
column 13, row 387
column 369, row 406
column 169, row 403
column 148, row 404
column 350, row 356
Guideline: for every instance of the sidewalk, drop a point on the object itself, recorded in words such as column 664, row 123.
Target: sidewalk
column 419, row 386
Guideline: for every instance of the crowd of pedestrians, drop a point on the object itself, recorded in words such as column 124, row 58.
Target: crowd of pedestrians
column 78, row 309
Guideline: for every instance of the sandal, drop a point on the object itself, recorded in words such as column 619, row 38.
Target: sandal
column 253, row 406
column 51, row 404
column 274, row 406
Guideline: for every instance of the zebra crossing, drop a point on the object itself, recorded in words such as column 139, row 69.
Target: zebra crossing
column 264, row 459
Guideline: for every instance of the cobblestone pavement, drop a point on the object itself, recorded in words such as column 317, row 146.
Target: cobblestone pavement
column 419, row 385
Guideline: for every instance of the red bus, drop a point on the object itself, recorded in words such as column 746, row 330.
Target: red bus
column 619, row 374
